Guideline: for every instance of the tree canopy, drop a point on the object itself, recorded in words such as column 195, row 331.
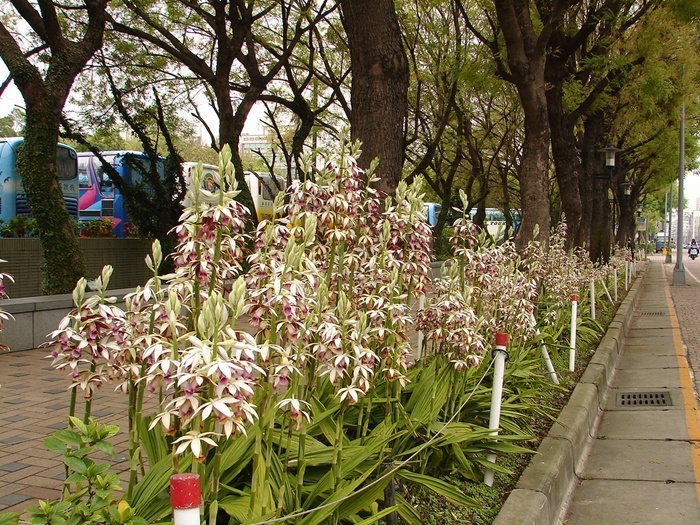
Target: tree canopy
column 511, row 101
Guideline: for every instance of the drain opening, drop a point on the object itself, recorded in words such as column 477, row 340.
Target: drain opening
column 637, row 399
column 651, row 313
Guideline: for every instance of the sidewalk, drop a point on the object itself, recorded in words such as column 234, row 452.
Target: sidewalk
column 644, row 464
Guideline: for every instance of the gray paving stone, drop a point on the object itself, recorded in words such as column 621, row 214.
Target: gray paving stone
column 13, row 467
column 13, row 499
column 615, row 502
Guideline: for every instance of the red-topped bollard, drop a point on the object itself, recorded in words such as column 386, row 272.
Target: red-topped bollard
column 572, row 338
column 185, row 498
column 499, row 366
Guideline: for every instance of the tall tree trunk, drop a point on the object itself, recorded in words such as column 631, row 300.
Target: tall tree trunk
column 45, row 97
column 63, row 262
column 230, row 129
column 567, row 164
column 596, row 184
column 526, row 59
column 379, row 86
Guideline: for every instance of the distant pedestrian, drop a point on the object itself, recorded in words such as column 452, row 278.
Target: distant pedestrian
column 630, row 246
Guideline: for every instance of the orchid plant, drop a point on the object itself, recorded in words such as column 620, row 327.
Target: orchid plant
column 287, row 384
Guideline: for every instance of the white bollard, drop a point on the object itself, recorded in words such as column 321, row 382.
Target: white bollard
column 545, row 353
column 627, row 275
column 185, row 498
column 593, row 299
column 499, row 367
column 615, row 274
column 572, row 339
column 421, row 306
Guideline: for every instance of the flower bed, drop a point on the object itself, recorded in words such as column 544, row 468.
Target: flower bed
column 312, row 417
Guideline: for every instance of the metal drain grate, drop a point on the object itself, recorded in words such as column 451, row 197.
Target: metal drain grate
column 638, row 399
column 651, row 313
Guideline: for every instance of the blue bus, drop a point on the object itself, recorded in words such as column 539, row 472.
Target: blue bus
column 13, row 200
column 99, row 198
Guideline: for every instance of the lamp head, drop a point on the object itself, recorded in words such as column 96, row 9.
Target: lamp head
column 610, row 151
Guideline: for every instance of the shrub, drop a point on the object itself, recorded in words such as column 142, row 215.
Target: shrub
column 19, row 226
column 97, row 228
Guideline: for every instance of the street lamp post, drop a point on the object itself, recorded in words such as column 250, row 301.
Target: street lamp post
column 668, row 235
column 609, row 152
column 679, row 269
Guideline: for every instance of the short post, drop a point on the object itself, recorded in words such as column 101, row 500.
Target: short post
column 615, row 275
column 572, row 339
column 421, row 306
column 593, row 298
column 545, row 353
column 627, row 275
column 605, row 288
column 499, row 366
column 185, row 498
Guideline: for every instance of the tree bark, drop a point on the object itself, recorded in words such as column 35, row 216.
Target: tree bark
column 567, row 164
column 526, row 59
column 379, row 90
column 596, row 183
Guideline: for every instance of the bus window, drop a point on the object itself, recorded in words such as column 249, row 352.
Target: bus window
column 104, row 183
column 270, row 189
column 65, row 163
column 263, row 190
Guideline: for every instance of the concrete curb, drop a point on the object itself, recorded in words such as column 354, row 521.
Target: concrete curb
column 543, row 490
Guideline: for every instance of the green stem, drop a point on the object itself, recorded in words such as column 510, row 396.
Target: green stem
column 338, row 448
column 370, row 402
column 88, row 401
column 360, row 416
column 301, row 468
column 337, row 453
column 71, row 408
column 215, row 475
column 133, row 439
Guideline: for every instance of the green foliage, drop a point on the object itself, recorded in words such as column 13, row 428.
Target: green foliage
column 19, row 226
column 9, row 518
column 89, row 489
column 12, row 125
column 97, row 228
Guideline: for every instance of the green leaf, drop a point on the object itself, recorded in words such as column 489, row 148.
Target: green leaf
column 467, row 468
column 150, row 499
column 236, row 454
column 75, row 464
column 152, row 441
column 68, row 436
column 451, row 493
column 77, row 423
column 357, row 502
column 375, row 518
column 9, row 518
column 408, row 512
column 236, row 507
column 53, row 444
column 75, row 478
column 105, row 447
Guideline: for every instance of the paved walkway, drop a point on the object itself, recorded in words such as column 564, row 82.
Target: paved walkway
column 644, row 466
